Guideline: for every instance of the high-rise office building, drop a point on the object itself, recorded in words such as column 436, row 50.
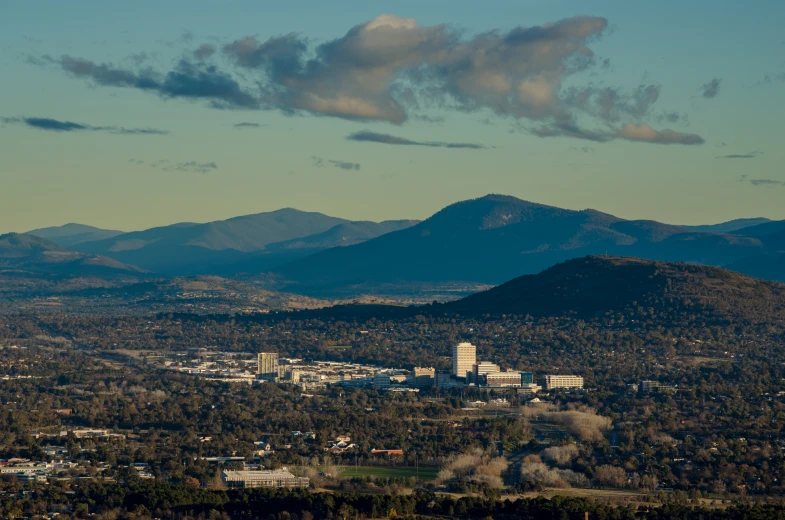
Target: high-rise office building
column 267, row 368
column 464, row 356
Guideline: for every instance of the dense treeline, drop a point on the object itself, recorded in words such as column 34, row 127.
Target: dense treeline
column 134, row 499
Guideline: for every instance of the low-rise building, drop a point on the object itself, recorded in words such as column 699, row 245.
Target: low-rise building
column 389, row 453
column 503, row 379
column 482, row 369
column 655, row 387
column 529, row 389
column 554, row 382
column 445, row 381
column 263, row 479
column 424, row 377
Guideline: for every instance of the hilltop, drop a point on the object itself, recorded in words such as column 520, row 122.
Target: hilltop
column 69, row 235
column 606, row 286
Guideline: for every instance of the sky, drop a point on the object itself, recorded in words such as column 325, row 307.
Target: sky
column 130, row 115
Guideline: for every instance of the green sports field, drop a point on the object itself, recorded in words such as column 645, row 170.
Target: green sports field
column 424, row 472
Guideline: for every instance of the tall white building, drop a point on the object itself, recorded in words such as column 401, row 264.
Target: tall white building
column 268, row 366
column 464, row 356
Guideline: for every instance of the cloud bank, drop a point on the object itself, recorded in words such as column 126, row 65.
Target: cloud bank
column 392, row 68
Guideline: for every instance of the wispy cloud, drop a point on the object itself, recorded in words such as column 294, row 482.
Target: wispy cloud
column 671, row 117
column 766, row 182
column 569, row 129
column 711, row 89
column 55, row 125
column 248, row 125
column 645, row 133
column 194, row 166
column 205, row 51
column 748, row 155
column 188, row 80
column 320, row 162
column 768, row 79
column 170, row 166
column 365, row 136
column 629, row 132
column 761, row 182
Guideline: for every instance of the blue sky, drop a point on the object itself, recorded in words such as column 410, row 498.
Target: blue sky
column 669, row 110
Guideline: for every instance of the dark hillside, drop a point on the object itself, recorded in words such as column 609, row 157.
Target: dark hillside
column 598, row 286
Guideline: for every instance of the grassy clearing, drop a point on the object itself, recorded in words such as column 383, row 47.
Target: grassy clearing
column 549, row 430
column 424, row 472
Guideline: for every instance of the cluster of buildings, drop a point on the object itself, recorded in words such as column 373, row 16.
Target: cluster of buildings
column 233, row 367
column 488, row 374
column 26, row 470
column 82, row 433
column 466, row 370
column 315, row 374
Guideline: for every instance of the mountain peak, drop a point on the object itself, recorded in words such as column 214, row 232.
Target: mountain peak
column 496, row 237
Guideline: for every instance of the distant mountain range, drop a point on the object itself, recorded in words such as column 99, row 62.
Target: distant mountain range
column 251, row 243
column 495, row 238
column 465, row 246
column 731, row 226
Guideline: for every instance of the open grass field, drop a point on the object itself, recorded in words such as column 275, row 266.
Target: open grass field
column 424, row 472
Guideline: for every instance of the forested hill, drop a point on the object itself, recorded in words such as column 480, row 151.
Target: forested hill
column 604, row 286
column 611, row 288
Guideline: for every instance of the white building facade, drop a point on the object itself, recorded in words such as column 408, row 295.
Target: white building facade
column 552, row 382
column 464, row 356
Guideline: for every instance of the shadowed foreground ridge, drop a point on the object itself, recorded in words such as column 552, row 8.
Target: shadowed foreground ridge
column 595, row 286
